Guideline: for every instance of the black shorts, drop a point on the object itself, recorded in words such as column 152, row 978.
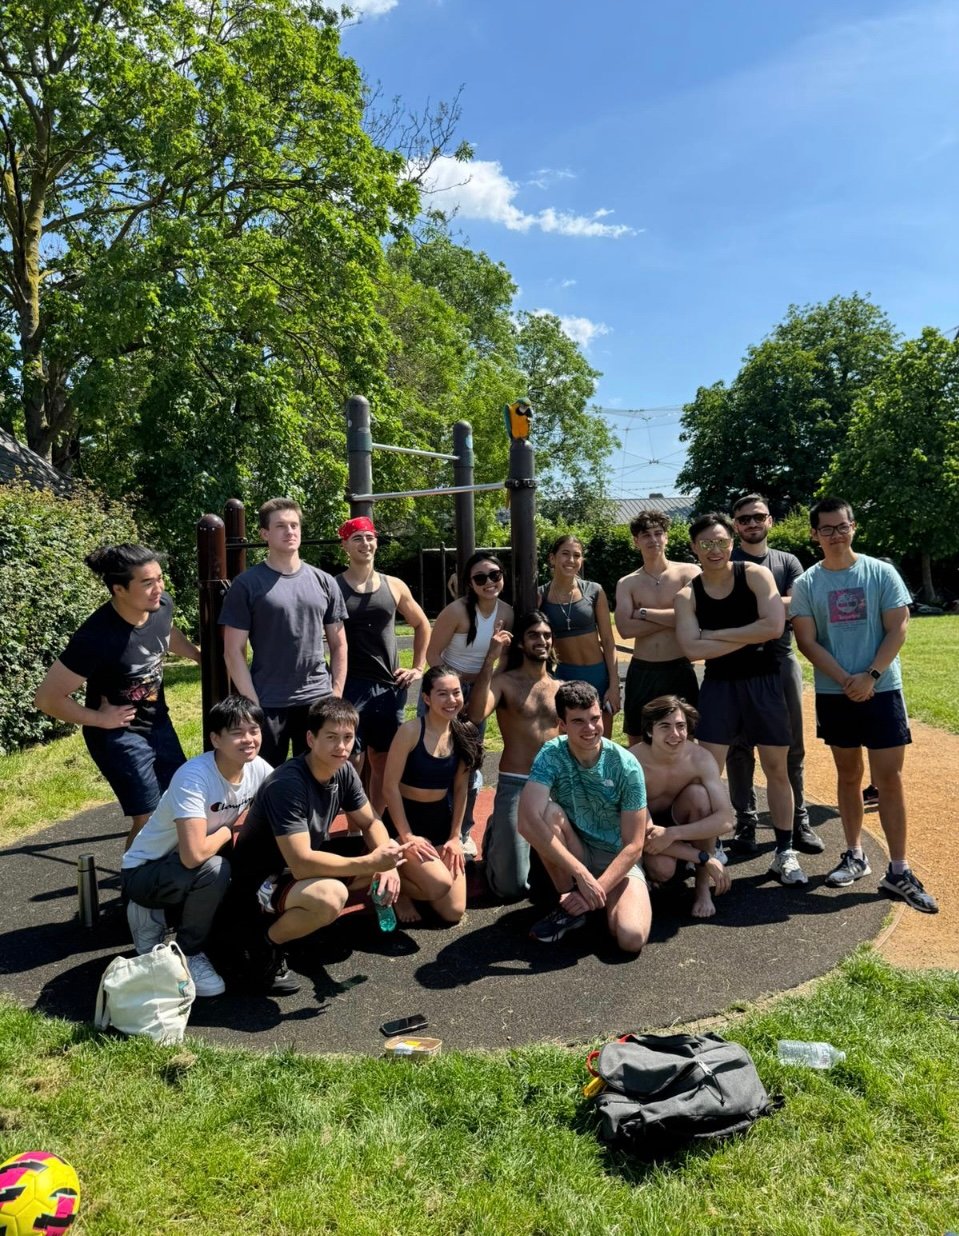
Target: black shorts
column 647, row 680
column 430, row 820
column 344, row 844
column 381, row 710
column 752, row 707
column 875, row 723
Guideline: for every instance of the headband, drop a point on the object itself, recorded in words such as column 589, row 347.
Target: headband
column 361, row 524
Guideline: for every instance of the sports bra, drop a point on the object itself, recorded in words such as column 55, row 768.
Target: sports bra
column 574, row 618
column 423, row 771
column 468, row 658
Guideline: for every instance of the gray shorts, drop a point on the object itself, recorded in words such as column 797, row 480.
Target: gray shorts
column 752, row 707
column 596, row 861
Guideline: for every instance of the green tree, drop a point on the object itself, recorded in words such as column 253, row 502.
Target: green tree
column 899, row 463
column 777, row 425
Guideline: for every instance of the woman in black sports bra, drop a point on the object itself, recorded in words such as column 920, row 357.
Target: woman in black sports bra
column 426, row 781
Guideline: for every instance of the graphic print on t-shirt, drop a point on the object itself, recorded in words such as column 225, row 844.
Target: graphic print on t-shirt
column 847, row 605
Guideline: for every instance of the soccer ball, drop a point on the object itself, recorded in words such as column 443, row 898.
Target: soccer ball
column 39, row 1192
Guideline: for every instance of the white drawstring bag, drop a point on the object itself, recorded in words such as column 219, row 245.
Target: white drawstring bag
column 150, row 994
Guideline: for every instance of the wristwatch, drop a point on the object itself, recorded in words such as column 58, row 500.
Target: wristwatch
column 642, row 615
column 874, row 674
column 704, row 857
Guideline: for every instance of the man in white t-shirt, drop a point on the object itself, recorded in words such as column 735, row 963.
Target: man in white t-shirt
column 177, row 860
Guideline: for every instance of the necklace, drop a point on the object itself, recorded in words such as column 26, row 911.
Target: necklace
column 657, row 579
column 566, row 607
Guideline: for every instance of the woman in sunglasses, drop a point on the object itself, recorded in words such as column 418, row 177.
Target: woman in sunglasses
column 461, row 639
column 578, row 612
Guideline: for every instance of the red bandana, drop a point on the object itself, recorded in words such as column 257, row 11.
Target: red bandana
column 361, row 524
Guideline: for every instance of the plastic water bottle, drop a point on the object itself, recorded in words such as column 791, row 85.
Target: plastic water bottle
column 384, row 914
column 809, row 1055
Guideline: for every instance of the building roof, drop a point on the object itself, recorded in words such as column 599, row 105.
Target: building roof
column 18, row 462
column 676, row 506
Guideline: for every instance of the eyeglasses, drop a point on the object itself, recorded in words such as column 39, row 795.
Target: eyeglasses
column 829, row 530
column 486, row 577
column 720, row 543
column 759, row 518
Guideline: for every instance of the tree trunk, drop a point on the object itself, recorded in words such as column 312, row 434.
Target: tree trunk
column 928, row 589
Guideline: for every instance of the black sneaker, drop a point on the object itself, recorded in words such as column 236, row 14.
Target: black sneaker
column 744, row 841
column 806, row 840
column 283, row 982
column 870, row 796
column 848, row 870
column 268, row 973
column 554, row 926
column 908, row 887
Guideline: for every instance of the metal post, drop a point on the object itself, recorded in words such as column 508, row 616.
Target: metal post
column 465, row 502
column 359, row 454
column 522, row 506
column 211, row 572
column 234, row 517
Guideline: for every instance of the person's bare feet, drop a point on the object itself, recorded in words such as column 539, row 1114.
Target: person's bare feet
column 406, row 911
column 703, row 904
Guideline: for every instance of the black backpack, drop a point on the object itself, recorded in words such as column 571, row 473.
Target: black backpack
column 666, row 1091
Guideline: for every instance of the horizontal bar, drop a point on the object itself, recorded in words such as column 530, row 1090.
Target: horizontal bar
column 427, row 493
column 411, row 450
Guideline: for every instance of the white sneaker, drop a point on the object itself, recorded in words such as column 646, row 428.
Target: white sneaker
column 147, row 927
column 721, row 856
column 205, row 979
column 785, row 866
column 469, row 847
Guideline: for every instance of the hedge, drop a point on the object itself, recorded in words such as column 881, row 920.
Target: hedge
column 46, row 591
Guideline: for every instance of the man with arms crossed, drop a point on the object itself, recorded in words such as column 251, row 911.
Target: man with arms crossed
column 304, row 876
column 524, row 697
column 583, row 811
column 284, row 607
column 729, row 616
column 753, row 521
column 644, row 610
column 177, row 861
column 118, row 651
column 375, row 685
column 686, row 799
column 850, row 614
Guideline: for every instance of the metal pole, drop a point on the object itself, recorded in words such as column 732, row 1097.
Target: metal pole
column 522, row 503
column 234, row 517
column 359, row 455
column 211, row 572
column 465, row 502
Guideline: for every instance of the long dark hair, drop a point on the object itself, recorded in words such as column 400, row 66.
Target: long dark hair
column 468, row 593
column 535, row 618
column 466, row 740
column 115, row 564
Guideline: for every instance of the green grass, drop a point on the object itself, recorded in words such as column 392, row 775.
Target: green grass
column 166, row 1140
column 929, row 661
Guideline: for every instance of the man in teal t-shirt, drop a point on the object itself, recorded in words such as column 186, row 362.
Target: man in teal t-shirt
column 583, row 811
column 850, row 614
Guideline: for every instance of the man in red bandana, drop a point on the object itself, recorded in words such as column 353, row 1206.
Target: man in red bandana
column 375, row 684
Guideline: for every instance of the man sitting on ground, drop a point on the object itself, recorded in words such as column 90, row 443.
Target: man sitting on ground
column 176, row 861
column 687, row 801
column 590, row 836
column 524, row 697
column 304, row 876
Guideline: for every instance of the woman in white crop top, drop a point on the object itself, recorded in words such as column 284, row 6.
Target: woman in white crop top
column 462, row 632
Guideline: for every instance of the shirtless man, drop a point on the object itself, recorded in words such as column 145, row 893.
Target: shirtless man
column 687, row 801
column 644, row 611
column 524, row 697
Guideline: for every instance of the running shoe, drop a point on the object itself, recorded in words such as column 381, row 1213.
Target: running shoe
column 554, row 926
column 907, row 886
column 785, row 867
column 849, row 869
column 806, row 840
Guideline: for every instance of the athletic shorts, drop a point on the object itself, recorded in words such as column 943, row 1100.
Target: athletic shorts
column 596, row 675
column 381, row 709
column 596, row 861
column 752, row 707
column 138, row 767
column 430, row 820
column 274, row 890
column 875, row 723
column 647, row 680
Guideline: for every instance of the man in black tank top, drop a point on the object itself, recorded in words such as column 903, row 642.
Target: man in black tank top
column 730, row 617
column 376, row 685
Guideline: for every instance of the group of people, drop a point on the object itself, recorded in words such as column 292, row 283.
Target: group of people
column 245, row 835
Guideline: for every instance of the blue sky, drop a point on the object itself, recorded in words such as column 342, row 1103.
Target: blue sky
column 669, row 178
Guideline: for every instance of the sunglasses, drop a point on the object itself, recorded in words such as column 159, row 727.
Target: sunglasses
column 752, row 519
column 718, row 543
column 486, row 577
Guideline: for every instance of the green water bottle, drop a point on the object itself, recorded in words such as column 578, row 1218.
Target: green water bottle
column 384, row 913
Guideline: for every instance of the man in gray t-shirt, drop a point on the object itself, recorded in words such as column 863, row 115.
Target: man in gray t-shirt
column 286, row 609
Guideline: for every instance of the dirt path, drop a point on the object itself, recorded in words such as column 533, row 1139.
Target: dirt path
column 932, row 786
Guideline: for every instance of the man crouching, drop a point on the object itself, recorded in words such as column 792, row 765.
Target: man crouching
column 687, row 801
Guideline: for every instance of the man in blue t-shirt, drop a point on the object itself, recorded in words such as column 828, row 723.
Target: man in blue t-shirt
column 850, row 614
column 583, row 811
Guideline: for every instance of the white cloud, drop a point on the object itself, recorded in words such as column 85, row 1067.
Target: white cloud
column 480, row 189
column 371, row 8
column 567, row 283
column 581, row 330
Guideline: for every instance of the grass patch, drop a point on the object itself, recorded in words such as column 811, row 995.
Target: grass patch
column 498, row 1143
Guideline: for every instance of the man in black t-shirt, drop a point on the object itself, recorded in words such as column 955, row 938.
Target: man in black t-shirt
column 284, row 853
column 118, row 652
column 753, row 521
